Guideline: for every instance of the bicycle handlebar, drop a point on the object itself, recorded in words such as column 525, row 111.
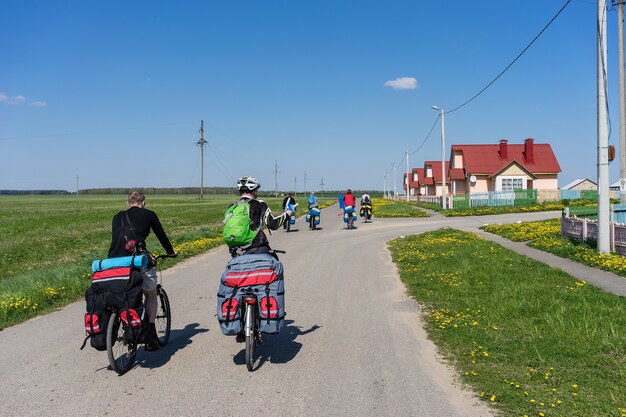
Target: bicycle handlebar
column 165, row 255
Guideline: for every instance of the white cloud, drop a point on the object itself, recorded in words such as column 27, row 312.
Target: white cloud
column 402, row 83
column 16, row 100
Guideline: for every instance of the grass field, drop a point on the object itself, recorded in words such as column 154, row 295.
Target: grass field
column 47, row 243
column 546, row 236
column 529, row 339
column 388, row 208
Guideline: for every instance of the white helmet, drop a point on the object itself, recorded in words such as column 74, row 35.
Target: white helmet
column 247, row 184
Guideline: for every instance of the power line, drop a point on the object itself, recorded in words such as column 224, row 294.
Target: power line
column 512, row 62
column 427, row 136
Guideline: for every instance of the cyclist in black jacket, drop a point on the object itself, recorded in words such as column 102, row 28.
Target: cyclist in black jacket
column 130, row 228
column 288, row 200
column 260, row 216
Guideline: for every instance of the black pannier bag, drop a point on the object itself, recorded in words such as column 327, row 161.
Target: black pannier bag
column 114, row 288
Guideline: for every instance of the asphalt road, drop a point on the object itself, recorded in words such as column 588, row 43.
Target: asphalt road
column 353, row 344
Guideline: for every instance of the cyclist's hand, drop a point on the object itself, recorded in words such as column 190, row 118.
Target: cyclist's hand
column 288, row 212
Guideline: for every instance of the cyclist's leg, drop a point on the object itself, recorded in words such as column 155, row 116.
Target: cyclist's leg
column 149, row 287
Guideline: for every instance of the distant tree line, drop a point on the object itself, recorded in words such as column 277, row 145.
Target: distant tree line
column 155, row 190
column 34, row 192
column 177, row 191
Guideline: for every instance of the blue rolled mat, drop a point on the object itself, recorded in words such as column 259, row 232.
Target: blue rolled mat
column 140, row 261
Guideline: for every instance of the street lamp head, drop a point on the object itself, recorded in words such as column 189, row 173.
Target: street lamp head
column 436, row 108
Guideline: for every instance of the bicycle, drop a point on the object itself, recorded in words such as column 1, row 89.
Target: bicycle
column 251, row 328
column 292, row 219
column 122, row 339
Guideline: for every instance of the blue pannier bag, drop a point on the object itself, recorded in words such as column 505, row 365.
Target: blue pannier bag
column 260, row 274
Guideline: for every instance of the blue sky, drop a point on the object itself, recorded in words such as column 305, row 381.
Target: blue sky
column 114, row 91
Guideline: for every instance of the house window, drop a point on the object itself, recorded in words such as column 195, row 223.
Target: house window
column 511, row 183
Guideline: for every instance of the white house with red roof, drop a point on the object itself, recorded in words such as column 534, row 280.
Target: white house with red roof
column 502, row 167
column 416, row 186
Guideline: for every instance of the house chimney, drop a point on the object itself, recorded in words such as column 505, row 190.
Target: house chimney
column 529, row 151
column 503, row 148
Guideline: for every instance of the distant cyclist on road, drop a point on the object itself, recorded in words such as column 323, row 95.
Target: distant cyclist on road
column 312, row 201
column 286, row 201
column 348, row 199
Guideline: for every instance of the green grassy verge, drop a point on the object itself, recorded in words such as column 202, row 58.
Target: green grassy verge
column 47, row 243
column 546, row 236
column 529, row 339
column 388, row 208
column 482, row 211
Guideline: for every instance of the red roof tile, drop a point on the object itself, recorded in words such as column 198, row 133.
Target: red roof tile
column 485, row 159
column 457, row 174
column 420, row 176
column 436, row 167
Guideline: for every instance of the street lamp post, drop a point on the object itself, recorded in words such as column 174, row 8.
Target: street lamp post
column 443, row 158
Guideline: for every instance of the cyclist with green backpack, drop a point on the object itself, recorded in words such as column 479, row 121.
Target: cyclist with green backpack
column 254, row 276
column 245, row 219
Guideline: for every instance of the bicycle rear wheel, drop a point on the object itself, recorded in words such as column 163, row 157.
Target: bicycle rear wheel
column 163, row 322
column 250, row 336
column 120, row 351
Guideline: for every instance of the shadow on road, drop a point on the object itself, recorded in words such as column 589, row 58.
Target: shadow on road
column 179, row 339
column 279, row 348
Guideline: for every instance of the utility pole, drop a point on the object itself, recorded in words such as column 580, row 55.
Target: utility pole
column 77, row 186
column 322, row 186
column 622, row 101
column 388, row 179
column 201, row 142
column 305, row 188
column 395, row 189
column 408, row 189
column 385, row 186
column 276, row 179
column 295, row 186
column 604, row 244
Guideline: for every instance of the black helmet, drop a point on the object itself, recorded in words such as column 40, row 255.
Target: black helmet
column 248, row 184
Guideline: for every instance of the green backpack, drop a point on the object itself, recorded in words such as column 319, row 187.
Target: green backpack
column 237, row 231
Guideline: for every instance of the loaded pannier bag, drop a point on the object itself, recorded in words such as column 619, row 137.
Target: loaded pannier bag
column 229, row 310
column 111, row 287
column 261, row 274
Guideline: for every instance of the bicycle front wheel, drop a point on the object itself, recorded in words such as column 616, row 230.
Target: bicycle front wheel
column 120, row 351
column 163, row 322
column 250, row 336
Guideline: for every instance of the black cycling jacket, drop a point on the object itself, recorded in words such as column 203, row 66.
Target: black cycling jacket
column 142, row 221
column 260, row 216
